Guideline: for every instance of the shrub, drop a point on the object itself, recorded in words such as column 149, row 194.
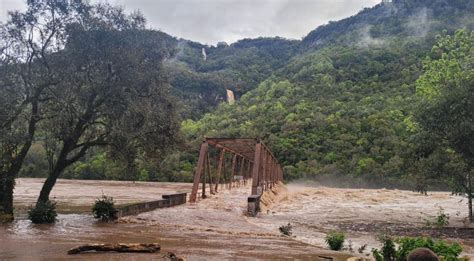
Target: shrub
column 388, row 251
column 335, row 240
column 362, row 248
column 441, row 220
column 448, row 252
column 104, row 209
column 43, row 212
column 286, row 230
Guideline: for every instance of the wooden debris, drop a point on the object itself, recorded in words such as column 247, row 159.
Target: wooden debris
column 121, row 247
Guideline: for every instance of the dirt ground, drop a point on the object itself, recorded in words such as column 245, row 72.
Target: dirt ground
column 216, row 227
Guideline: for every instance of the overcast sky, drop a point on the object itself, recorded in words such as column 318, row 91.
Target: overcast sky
column 211, row 21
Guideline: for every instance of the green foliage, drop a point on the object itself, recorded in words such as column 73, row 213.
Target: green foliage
column 104, row 209
column 43, row 212
column 404, row 245
column 388, row 251
column 286, row 230
column 441, row 220
column 446, row 109
column 345, row 111
column 447, row 91
column 35, row 164
column 335, row 240
column 342, row 125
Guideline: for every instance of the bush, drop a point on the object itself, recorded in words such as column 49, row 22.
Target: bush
column 286, row 230
column 104, row 209
column 388, row 252
column 442, row 219
column 43, row 212
column 335, row 240
column 448, row 252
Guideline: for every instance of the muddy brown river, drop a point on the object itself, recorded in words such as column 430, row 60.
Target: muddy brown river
column 216, row 228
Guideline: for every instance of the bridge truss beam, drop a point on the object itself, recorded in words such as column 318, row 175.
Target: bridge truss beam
column 236, row 162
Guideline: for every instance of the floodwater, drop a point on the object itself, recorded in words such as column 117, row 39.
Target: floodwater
column 364, row 214
column 213, row 229
column 216, row 227
column 73, row 196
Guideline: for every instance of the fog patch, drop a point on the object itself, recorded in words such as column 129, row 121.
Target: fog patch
column 180, row 46
column 366, row 40
column 419, row 24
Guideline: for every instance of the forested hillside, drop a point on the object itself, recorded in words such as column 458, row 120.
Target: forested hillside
column 339, row 103
column 343, row 106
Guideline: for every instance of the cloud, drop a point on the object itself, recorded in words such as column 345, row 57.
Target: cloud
column 211, row 21
column 9, row 5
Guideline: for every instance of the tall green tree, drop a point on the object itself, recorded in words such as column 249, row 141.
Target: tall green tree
column 115, row 94
column 27, row 69
column 447, row 109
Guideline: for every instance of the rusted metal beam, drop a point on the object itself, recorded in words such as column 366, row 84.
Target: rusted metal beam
column 256, row 168
column 219, row 168
column 262, row 173
column 203, row 193
column 241, row 170
column 234, row 166
column 198, row 173
column 251, row 158
column 209, row 173
column 230, row 150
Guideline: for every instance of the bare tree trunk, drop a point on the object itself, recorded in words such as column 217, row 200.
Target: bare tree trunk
column 11, row 172
column 62, row 162
column 469, row 196
column 53, row 176
column 7, row 183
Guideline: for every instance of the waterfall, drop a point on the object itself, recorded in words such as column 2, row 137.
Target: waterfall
column 230, row 96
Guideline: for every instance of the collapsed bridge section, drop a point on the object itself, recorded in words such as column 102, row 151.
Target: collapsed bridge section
column 248, row 159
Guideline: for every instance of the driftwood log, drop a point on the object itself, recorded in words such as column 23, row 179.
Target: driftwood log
column 124, row 248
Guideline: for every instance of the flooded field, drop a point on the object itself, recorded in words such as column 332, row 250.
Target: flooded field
column 216, row 228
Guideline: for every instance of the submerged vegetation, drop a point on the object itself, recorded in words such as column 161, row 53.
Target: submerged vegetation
column 43, row 212
column 104, row 209
column 286, row 230
column 335, row 240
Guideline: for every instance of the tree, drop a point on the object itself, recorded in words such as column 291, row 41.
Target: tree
column 447, row 109
column 27, row 69
column 115, row 94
